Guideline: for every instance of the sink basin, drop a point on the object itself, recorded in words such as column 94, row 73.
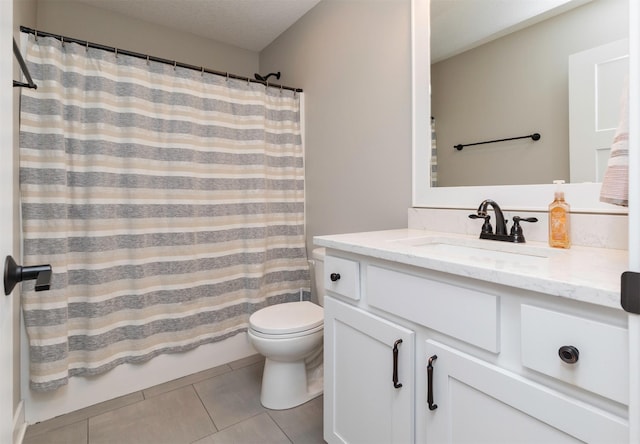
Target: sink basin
column 480, row 249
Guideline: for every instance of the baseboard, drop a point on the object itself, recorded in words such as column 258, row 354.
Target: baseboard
column 19, row 425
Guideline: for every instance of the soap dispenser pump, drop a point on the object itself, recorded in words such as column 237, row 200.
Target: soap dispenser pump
column 559, row 222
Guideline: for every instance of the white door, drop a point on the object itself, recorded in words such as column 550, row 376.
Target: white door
column 362, row 404
column 6, row 217
column 596, row 81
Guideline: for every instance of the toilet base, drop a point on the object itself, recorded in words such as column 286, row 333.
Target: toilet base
column 284, row 385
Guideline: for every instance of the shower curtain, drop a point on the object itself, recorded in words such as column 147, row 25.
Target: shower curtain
column 434, row 154
column 169, row 202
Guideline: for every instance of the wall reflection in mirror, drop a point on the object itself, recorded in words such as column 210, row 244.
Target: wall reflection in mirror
column 515, row 82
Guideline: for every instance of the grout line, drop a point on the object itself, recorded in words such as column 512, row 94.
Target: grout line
column 206, row 409
column 278, row 425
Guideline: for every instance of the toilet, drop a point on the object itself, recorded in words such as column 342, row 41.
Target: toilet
column 289, row 336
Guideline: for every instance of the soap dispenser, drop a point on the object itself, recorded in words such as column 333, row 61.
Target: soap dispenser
column 559, row 222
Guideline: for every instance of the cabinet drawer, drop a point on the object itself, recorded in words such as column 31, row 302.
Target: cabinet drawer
column 342, row 276
column 463, row 313
column 602, row 351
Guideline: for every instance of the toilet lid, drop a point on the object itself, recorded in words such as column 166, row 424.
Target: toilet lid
column 289, row 317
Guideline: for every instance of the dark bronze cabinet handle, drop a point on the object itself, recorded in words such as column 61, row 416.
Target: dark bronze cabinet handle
column 396, row 384
column 334, row 277
column 432, row 406
column 569, row 354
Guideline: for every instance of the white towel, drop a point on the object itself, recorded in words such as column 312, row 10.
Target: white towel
column 615, row 184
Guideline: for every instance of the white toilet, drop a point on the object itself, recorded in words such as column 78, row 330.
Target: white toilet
column 289, row 336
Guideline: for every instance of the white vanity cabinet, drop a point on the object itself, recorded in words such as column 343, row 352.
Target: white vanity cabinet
column 369, row 362
column 479, row 362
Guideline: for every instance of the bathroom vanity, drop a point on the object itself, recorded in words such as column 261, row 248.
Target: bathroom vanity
column 438, row 337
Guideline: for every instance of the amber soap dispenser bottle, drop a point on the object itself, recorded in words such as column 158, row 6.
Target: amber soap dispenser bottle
column 559, row 223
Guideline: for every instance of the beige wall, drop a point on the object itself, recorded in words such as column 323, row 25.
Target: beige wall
column 514, row 86
column 85, row 22
column 353, row 60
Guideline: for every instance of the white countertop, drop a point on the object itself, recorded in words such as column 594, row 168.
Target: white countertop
column 580, row 273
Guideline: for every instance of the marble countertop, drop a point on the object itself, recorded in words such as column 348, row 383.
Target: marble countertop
column 580, row 273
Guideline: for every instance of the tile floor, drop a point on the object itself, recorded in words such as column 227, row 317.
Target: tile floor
column 216, row 406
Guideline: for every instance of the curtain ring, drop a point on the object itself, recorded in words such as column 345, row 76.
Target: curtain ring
column 36, row 34
column 87, row 46
column 175, row 64
column 147, row 59
column 62, row 40
column 227, row 77
column 202, row 71
column 116, row 52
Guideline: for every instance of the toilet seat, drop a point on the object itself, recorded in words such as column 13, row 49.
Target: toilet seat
column 287, row 319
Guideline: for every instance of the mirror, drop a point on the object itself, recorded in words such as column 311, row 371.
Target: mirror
column 527, row 194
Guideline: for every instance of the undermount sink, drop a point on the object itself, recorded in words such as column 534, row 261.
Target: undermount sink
column 479, row 249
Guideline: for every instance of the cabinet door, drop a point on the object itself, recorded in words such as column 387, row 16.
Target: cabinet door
column 481, row 403
column 361, row 402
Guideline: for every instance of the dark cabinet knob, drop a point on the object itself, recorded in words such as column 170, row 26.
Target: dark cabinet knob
column 569, row 354
column 334, row 277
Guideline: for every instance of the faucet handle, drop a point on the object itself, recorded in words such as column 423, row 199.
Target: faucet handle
column 516, row 229
column 517, row 219
column 486, row 227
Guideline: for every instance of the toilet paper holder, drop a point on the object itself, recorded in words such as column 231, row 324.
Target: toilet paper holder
column 14, row 273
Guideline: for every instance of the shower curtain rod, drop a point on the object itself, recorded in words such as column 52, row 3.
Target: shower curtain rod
column 64, row 39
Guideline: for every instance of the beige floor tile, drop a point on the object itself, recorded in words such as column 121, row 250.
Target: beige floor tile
column 302, row 424
column 258, row 429
column 174, row 413
column 68, row 434
column 232, row 397
column 174, row 417
column 79, row 415
column 185, row 381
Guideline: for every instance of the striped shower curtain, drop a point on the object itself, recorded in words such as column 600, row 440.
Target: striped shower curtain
column 169, row 202
column 434, row 154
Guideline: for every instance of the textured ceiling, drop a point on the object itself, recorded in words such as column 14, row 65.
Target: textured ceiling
column 248, row 24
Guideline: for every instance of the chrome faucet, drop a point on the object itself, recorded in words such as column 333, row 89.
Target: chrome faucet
column 516, row 235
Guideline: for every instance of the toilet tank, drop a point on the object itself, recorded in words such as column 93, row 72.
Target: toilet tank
column 318, row 273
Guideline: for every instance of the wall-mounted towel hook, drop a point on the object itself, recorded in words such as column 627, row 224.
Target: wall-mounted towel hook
column 14, row 273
